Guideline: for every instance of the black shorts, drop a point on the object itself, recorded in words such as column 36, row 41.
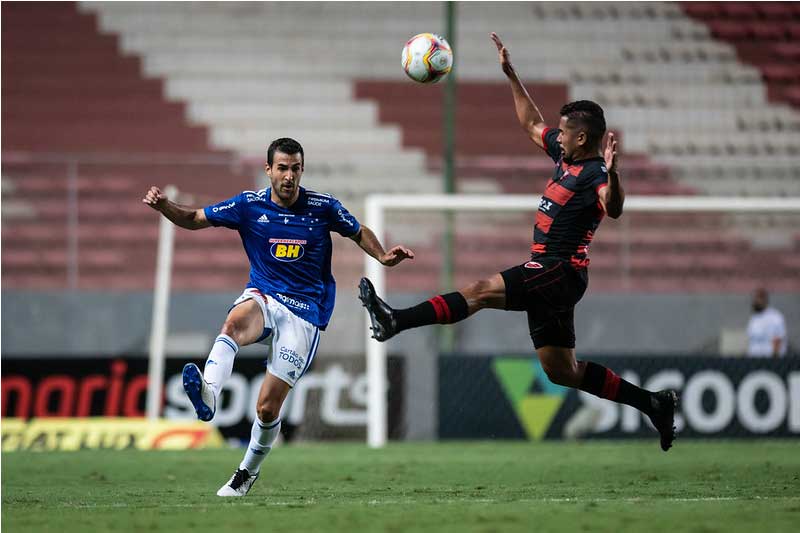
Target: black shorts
column 547, row 289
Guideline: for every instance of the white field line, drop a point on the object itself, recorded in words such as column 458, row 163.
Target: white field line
column 308, row 503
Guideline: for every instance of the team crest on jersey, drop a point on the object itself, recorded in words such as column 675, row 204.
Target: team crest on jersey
column 287, row 250
column 533, row 264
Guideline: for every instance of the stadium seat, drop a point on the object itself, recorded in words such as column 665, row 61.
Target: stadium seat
column 775, row 10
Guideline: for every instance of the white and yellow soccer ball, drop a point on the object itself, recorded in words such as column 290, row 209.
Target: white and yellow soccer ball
column 427, row 58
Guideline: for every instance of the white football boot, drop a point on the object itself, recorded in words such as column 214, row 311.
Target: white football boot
column 239, row 484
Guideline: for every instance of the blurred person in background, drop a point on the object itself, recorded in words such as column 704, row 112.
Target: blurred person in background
column 766, row 331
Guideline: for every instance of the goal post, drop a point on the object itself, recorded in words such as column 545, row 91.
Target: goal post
column 160, row 317
column 376, row 207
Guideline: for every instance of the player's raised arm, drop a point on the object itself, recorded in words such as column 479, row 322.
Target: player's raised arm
column 613, row 196
column 180, row 215
column 367, row 241
column 528, row 114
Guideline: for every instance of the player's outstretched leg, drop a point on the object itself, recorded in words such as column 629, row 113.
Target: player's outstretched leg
column 442, row 309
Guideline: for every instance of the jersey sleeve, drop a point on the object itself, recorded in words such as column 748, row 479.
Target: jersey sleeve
column 593, row 183
column 227, row 213
column 550, row 141
column 342, row 222
column 600, row 179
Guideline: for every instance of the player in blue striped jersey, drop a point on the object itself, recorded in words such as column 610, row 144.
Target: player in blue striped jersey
column 285, row 230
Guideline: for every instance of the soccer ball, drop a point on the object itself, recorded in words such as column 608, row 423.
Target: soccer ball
column 427, row 58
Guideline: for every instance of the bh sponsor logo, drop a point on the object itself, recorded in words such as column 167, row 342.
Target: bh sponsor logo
column 535, row 399
column 292, row 357
column 287, row 250
column 533, row 264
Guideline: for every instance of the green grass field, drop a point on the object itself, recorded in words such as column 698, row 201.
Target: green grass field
column 490, row 486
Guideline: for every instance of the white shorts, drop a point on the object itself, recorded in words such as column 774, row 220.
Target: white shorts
column 291, row 340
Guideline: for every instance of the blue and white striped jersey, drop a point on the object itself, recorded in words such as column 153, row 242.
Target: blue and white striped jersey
column 289, row 249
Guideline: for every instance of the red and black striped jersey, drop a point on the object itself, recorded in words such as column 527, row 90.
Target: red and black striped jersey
column 570, row 210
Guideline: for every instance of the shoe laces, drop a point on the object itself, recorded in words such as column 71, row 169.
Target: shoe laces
column 239, row 477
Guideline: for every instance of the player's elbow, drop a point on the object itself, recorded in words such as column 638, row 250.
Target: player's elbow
column 614, row 212
column 195, row 221
column 533, row 129
column 613, row 206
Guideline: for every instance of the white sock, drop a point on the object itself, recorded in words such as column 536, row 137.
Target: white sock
column 262, row 437
column 219, row 364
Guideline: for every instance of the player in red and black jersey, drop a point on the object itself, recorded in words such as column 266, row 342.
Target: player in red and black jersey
column 584, row 188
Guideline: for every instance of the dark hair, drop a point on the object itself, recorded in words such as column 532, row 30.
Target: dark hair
column 287, row 146
column 590, row 116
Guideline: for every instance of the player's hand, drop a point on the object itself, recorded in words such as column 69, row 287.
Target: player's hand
column 395, row 255
column 610, row 153
column 155, row 198
column 503, row 55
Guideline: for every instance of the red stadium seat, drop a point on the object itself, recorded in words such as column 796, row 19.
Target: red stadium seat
column 704, row 10
column 787, row 51
column 781, row 73
column 767, row 30
column 730, row 31
column 739, row 10
column 792, row 95
column 775, row 10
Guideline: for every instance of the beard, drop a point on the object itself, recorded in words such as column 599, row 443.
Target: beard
column 758, row 307
column 286, row 194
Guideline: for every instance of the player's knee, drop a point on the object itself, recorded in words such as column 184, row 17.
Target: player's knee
column 560, row 373
column 479, row 293
column 232, row 329
column 268, row 410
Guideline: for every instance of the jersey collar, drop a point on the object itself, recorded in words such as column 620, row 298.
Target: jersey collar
column 297, row 203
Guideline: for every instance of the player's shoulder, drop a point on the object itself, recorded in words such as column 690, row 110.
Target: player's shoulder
column 593, row 170
column 595, row 165
column 773, row 314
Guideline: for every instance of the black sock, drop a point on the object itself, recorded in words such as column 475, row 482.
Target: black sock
column 443, row 309
column 602, row 382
